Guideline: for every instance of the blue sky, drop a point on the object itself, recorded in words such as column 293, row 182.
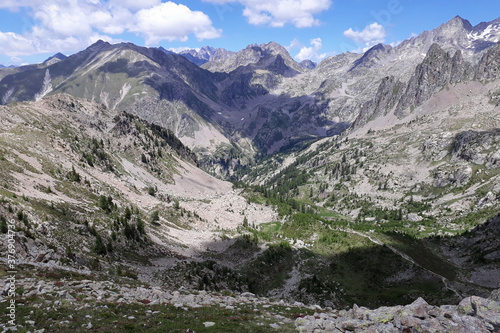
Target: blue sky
column 32, row 30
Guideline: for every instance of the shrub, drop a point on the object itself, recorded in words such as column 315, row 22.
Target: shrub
column 155, row 217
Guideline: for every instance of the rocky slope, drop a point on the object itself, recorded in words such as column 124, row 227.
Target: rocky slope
column 131, row 195
column 53, row 302
column 108, row 182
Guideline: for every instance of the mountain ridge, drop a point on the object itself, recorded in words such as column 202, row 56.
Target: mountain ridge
column 258, row 75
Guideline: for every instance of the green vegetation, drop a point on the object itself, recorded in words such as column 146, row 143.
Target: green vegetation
column 83, row 314
column 109, row 317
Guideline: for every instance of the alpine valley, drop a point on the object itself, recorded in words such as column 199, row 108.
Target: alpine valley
column 220, row 191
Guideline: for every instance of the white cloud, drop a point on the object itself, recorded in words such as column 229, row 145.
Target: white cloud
column 135, row 4
column 12, row 44
column 14, row 5
column 373, row 33
column 312, row 52
column 70, row 20
column 68, row 26
column 173, row 22
column 16, row 60
column 277, row 13
column 295, row 43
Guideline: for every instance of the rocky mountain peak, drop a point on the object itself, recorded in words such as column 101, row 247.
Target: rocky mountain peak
column 308, row 64
column 207, row 50
column 457, row 23
column 202, row 54
column 161, row 48
column 274, row 48
column 453, row 32
column 371, row 56
column 98, row 45
column 456, row 34
column 438, row 69
column 252, row 54
column 57, row 57
column 435, row 52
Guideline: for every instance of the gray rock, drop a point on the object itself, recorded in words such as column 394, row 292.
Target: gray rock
column 495, row 295
column 419, row 308
column 465, row 307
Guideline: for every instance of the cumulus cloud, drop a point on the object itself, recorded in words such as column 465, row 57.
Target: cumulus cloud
column 277, row 13
column 293, row 44
column 12, row 44
column 135, row 4
column 67, row 26
column 370, row 35
column 171, row 21
column 311, row 52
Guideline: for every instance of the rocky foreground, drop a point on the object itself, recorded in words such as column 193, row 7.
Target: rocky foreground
column 100, row 304
column 473, row 314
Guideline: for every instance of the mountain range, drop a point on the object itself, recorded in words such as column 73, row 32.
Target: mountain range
column 250, row 172
column 237, row 95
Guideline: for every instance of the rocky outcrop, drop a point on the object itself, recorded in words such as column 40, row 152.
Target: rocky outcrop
column 489, row 66
column 438, row 69
column 478, row 148
column 436, row 147
column 473, row 314
column 389, row 92
column 453, row 175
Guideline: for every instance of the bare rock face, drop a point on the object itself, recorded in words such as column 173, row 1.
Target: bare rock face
column 489, row 66
column 389, row 92
column 437, row 70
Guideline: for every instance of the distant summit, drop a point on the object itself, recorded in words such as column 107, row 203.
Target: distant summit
column 55, row 58
column 161, row 48
column 308, row 64
column 205, row 54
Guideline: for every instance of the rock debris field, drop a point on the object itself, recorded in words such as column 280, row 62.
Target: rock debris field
column 472, row 314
